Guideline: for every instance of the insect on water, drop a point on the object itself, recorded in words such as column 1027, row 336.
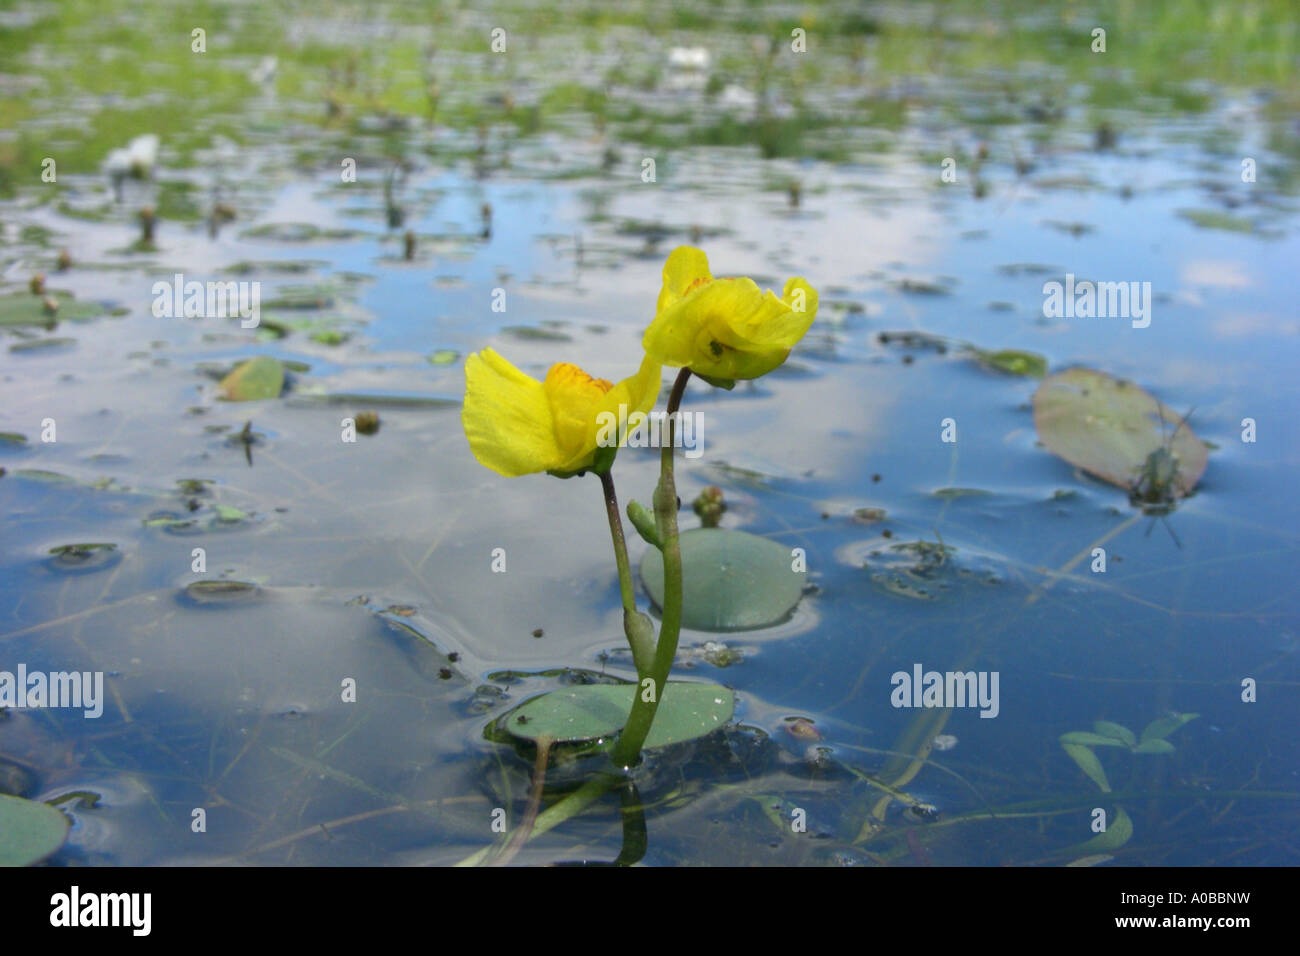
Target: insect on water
column 1158, row 483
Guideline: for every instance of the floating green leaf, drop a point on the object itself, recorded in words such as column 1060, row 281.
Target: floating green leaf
column 1217, row 219
column 1108, row 729
column 330, row 336
column 1162, row 727
column 592, row 711
column 29, row 831
column 33, row 345
column 731, row 580
column 1013, row 362
column 1088, row 763
column 1110, row 428
column 444, row 357
column 1085, row 739
column 536, row 334
column 216, row 592
column 23, row 308
column 257, row 378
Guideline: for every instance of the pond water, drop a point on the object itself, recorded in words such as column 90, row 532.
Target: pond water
column 524, row 171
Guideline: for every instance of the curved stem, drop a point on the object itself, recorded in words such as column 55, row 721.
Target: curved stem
column 620, row 542
column 525, row 828
column 642, row 716
column 636, row 626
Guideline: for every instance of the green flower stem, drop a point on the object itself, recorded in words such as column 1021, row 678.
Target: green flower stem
column 620, row 543
column 642, row 716
column 636, row 626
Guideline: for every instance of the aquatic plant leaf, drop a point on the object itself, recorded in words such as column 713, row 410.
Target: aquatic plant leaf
column 1108, row 729
column 29, row 831
column 1119, row 832
column 591, row 711
column 1085, row 739
column 1088, row 763
column 1154, row 746
column 1109, row 428
column 731, row 580
column 1013, row 362
column 23, row 308
column 257, row 378
column 1162, row 727
column 37, row 345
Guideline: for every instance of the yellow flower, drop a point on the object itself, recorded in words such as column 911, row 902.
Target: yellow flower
column 725, row 328
column 517, row 425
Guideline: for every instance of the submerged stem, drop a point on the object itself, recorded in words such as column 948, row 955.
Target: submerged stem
column 525, row 828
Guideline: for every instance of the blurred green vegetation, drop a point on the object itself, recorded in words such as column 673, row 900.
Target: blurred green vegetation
column 84, row 76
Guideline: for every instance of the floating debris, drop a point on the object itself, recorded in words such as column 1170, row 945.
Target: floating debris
column 802, row 728
column 367, row 422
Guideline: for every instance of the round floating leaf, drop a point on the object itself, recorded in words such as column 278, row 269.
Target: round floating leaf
column 731, row 580
column 23, row 308
column 1108, row 729
column 257, row 378
column 590, row 711
column 444, row 357
column 1088, row 763
column 29, row 831
column 1110, row 428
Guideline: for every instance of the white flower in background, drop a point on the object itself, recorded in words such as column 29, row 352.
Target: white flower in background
column 264, row 72
column 138, row 159
column 689, row 57
column 738, row 98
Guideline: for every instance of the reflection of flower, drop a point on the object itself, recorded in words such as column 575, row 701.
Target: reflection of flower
column 725, row 329
column 517, row 425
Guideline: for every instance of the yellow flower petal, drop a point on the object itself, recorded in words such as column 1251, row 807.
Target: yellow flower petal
column 517, row 425
column 636, row 394
column 507, row 417
column 686, row 268
column 725, row 328
column 574, row 396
